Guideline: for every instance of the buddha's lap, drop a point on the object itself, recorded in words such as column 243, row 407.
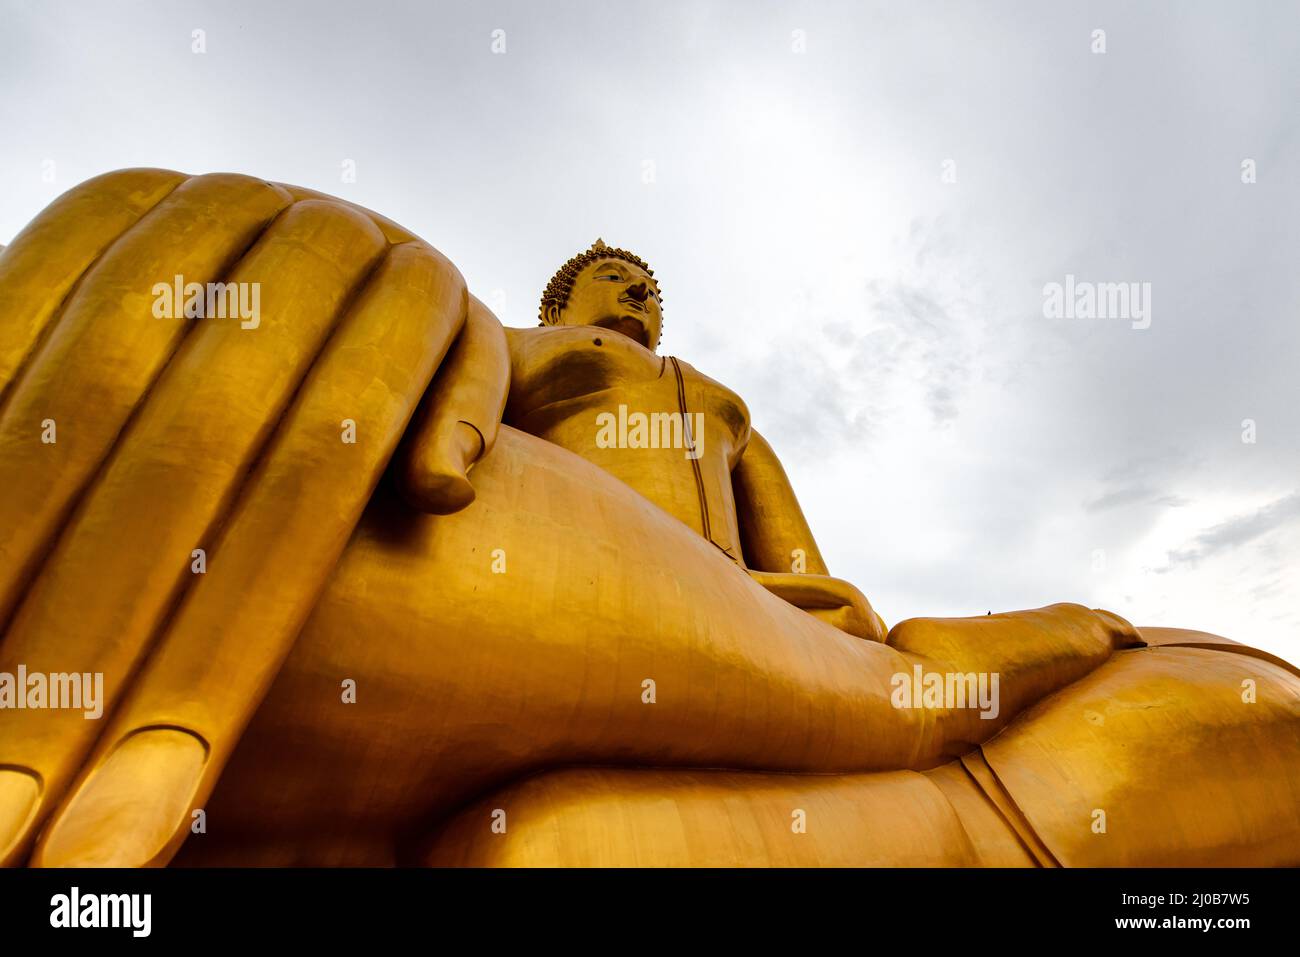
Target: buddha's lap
column 521, row 633
column 560, row 617
column 1152, row 740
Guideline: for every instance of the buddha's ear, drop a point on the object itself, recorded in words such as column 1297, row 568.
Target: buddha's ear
column 551, row 314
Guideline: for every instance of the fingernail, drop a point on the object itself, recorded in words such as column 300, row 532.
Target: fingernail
column 128, row 811
column 19, row 789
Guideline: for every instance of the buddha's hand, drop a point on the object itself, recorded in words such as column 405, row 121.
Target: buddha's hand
column 833, row 600
column 458, row 420
column 161, row 552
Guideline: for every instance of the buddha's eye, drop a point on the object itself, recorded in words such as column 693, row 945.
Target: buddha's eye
column 613, row 276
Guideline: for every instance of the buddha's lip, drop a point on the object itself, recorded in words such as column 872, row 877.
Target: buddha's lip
column 635, row 304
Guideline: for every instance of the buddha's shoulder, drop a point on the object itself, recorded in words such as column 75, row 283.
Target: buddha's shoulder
column 723, row 400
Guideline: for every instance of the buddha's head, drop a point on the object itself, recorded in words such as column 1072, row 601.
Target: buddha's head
column 606, row 287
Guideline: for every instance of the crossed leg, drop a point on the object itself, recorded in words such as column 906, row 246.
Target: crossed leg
column 563, row 620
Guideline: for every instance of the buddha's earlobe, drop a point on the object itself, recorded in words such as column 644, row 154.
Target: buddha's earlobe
column 551, row 314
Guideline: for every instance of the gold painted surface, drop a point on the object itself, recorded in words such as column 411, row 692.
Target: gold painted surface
column 1182, row 779
column 993, row 832
column 564, row 379
column 509, row 594
column 611, row 818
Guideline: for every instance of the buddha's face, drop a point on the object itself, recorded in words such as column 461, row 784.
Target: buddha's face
column 614, row 295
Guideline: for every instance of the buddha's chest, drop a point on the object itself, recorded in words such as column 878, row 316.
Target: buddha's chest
column 564, row 372
column 654, row 422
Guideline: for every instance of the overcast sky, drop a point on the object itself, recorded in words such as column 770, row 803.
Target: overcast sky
column 956, row 451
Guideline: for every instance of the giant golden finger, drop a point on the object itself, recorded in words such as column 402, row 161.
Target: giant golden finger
column 77, row 392
column 188, row 707
column 130, row 547
column 44, row 261
column 459, row 418
column 395, row 233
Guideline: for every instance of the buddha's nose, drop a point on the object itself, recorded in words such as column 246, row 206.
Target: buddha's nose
column 638, row 291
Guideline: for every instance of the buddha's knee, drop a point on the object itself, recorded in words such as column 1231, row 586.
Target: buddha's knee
column 1164, row 756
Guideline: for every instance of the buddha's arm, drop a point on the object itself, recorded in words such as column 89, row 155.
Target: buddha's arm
column 1033, row 652
column 774, row 533
column 780, row 550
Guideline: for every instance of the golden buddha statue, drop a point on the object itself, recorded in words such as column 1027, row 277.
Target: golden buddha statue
column 372, row 580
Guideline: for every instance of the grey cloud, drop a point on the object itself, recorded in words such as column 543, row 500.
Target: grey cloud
column 1266, row 590
column 1145, row 479
column 839, row 380
column 1133, row 495
column 1238, row 530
